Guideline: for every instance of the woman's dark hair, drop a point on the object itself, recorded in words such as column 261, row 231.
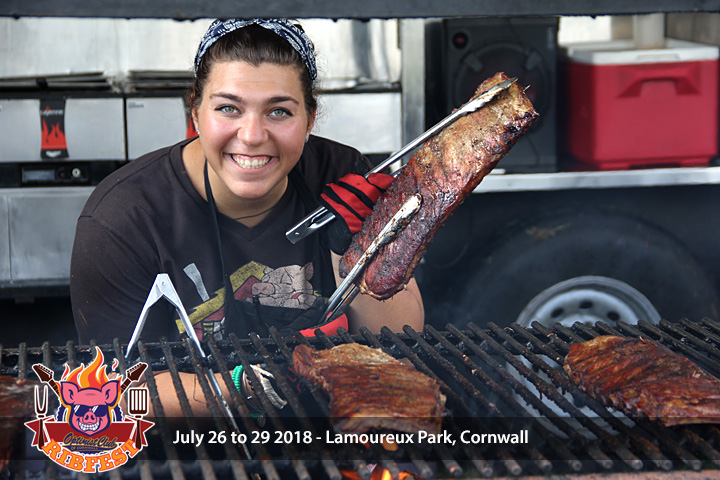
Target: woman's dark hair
column 255, row 45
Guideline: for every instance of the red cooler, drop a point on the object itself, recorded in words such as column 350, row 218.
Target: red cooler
column 629, row 108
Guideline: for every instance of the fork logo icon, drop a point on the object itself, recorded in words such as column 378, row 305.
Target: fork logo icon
column 88, row 431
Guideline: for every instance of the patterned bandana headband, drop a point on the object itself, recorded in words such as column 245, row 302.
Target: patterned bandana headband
column 291, row 33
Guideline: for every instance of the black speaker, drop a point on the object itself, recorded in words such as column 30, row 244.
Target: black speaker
column 462, row 52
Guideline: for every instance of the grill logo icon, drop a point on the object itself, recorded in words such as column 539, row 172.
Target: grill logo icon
column 89, row 432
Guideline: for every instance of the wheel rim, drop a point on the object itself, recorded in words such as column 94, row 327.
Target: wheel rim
column 588, row 299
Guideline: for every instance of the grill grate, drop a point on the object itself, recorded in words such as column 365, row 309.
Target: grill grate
column 495, row 380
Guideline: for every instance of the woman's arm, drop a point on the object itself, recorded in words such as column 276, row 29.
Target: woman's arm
column 404, row 308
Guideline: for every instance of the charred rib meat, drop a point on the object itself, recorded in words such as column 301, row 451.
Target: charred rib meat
column 369, row 389
column 16, row 405
column 444, row 172
column 644, row 378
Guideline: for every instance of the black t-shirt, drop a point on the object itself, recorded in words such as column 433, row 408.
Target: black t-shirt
column 146, row 218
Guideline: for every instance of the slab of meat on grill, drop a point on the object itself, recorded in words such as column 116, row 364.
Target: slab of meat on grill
column 644, row 378
column 16, row 406
column 445, row 170
column 370, row 390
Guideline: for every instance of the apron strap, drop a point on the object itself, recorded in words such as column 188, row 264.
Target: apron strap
column 303, row 189
column 216, row 228
column 310, row 203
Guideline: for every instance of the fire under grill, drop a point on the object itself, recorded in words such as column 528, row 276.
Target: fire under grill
column 498, row 381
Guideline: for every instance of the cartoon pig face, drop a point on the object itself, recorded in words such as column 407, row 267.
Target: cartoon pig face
column 89, row 407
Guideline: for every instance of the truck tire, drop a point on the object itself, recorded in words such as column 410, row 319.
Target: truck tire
column 586, row 266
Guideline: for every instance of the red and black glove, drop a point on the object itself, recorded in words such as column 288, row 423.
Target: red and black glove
column 351, row 199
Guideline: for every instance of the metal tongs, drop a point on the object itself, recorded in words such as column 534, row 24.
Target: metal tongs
column 164, row 288
column 347, row 291
column 320, row 217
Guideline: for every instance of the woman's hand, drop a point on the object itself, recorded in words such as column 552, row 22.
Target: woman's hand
column 196, row 398
column 351, row 199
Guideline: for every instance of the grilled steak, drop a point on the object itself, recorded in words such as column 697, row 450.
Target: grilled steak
column 444, row 172
column 644, row 378
column 369, row 389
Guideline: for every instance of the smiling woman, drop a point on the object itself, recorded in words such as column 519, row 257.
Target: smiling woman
column 211, row 212
column 254, row 125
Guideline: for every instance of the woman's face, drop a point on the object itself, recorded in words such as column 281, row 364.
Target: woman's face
column 253, row 124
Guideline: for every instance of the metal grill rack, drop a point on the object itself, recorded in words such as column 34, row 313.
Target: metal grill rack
column 496, row 380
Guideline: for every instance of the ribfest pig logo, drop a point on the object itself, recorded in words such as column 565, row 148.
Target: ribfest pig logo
column 89, row 432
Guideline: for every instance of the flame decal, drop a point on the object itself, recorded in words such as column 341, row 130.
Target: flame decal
column 92, row 376
column 53, row 138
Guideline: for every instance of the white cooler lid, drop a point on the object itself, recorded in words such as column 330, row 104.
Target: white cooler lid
column 623, row 52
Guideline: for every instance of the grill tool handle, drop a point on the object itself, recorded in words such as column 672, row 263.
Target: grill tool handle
column 46, row 376
column 320, row 217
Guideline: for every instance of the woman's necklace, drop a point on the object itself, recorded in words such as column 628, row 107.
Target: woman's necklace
column 255, row 214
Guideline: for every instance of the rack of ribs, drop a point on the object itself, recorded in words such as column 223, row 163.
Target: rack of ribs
column 444, row 171
column 643, row 378
column 16, row 406
column 371, row 390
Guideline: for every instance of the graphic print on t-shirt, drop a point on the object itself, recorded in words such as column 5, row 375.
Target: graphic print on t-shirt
column 287, row 286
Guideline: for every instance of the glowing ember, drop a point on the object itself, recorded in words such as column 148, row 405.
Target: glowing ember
column 380, row 473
